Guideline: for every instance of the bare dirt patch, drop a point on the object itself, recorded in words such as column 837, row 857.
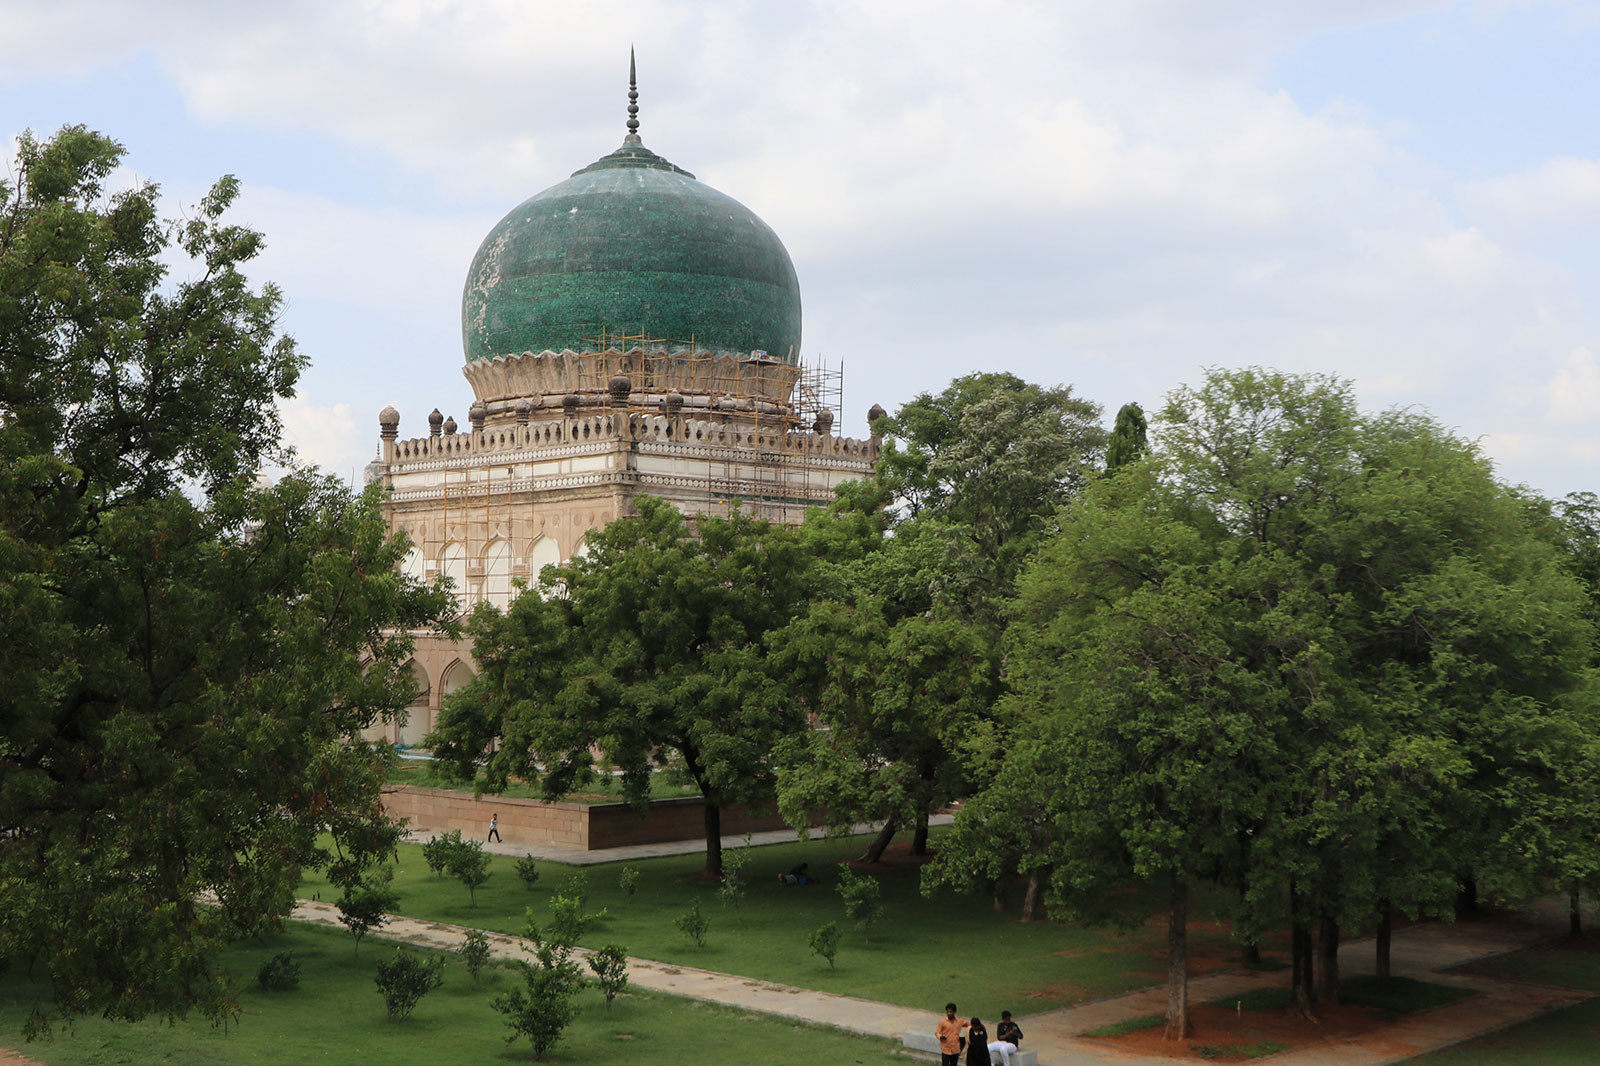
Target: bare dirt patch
column 1216, row 1030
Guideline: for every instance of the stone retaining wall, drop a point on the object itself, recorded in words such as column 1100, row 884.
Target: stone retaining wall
column 580, row 826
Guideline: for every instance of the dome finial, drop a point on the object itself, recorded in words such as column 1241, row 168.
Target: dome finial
column 633, row 99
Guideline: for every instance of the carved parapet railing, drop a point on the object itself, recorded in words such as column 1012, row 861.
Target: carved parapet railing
column 584, row 428
column 544, row 378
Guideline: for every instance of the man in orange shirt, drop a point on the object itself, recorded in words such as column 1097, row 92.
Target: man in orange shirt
column 949, row 1034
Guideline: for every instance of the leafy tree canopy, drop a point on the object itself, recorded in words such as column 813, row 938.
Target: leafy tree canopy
column 188, row 656
column 650, row 649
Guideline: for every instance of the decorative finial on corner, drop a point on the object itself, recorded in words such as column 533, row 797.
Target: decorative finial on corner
column 633, row 97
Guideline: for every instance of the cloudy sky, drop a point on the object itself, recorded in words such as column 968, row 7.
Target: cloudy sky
column 1111, row 195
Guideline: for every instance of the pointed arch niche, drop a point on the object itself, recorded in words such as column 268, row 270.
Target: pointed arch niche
column 543, row 553
column 497, row 573
column 453, row 565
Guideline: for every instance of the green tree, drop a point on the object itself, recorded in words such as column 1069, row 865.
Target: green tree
column 470, row 865
column 544, row 1007
column 863, row 898
column 824, row 940
column 189, row 657
column 474, row 951
column 1129, row 440
column 693, row 924
column 367, row 903
column 899, row 654
column 405, row 979
column 1319, row 657
column 655, row 651
column 610, row 966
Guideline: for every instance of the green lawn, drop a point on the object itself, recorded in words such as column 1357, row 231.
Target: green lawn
column 336, row 1017
column 1569, row 1037
column 923, row 953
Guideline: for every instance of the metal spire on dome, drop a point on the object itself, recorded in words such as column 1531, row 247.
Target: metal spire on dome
column 633, row 101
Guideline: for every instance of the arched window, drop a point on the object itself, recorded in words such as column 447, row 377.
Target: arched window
column 453, row 565
column 412, row 565
column 543, row 553
column 418, row 713
column 497, row 574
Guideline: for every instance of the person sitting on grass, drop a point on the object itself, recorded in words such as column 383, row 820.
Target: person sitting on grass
column 797, row 876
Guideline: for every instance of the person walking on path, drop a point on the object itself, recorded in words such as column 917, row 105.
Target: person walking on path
column 949, row 1034
column 494, row 827
column 977, row 1043
column 1007, row 1035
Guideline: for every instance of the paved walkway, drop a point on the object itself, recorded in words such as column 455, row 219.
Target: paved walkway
column 1421, row 951
column 628, row 852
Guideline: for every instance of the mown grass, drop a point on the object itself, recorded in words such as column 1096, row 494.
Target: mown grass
column 1565, row 1037
column 1129, row 1025
column 1239, row 1051
column 1398, row 995
column 924, row 952
column 336, row 1018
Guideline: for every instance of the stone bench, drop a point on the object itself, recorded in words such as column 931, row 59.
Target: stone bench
column 923, row 1040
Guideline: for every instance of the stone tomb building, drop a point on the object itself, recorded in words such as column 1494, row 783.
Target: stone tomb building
column 627, row 331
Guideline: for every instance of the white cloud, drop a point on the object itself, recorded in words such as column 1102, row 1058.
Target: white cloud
column 1574, row 390
column 325, row 436
column 1556, row 193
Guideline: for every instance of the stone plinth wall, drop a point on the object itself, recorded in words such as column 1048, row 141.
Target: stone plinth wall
column 580, row 826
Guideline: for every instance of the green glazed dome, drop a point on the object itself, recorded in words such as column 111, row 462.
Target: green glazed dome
column 631, row 244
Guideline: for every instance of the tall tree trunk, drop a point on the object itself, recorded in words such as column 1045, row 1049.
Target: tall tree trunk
column 1328, row 958
column 999, row 892
column 1302, row 986
column 1251, row 954
column 1178, row 961
column 1467, row 896
column 713, row 838
column 1385, row 928
column 875, row 849
column 919, row 840
column 1574, row 911
column 1035, row 893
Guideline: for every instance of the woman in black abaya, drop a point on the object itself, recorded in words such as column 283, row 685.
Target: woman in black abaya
column 977, row 1044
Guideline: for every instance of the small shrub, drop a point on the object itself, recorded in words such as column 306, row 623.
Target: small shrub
column 825, row 941
column 436, row 852
column 545, row 1008
column 629, row 881
column 528, row 871
column 474, row 951
column 693, row 924
column 366, row 904
column 405, row 979
column 568, row 922
column 470, row 865
column 863, row 898
column 730, row 891
column 279, row 973
column 576, row 886
column 610, row 966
